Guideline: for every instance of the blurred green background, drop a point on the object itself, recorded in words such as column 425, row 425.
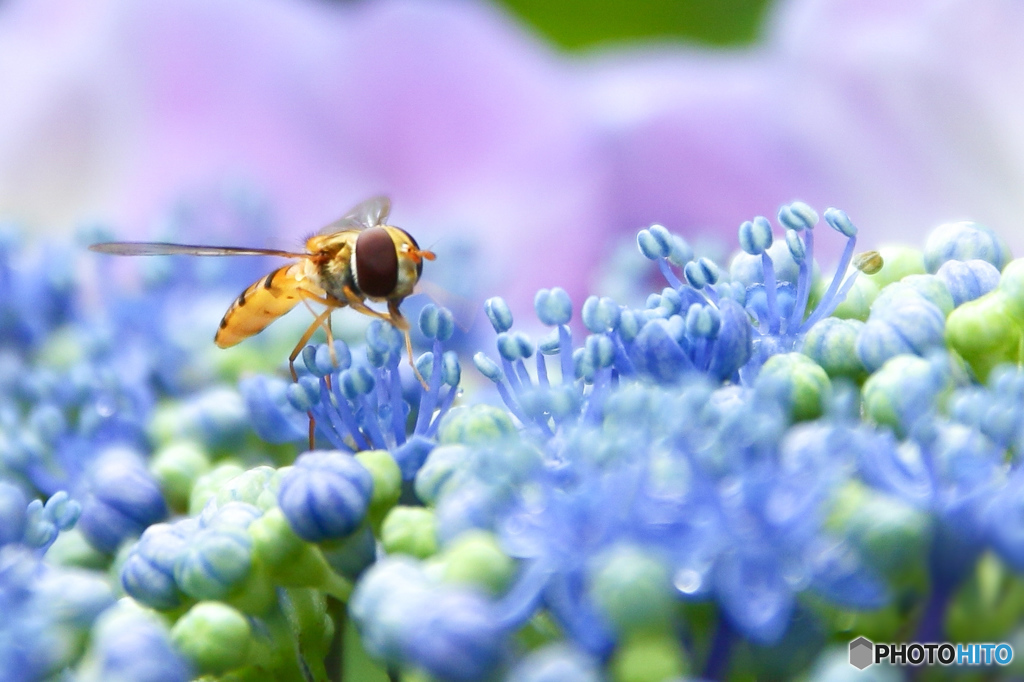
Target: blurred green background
column 580, row 24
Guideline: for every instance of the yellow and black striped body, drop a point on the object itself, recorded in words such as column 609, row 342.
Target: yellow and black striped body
column 267, row 299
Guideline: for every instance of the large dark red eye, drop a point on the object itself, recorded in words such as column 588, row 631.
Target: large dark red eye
column 376, row 262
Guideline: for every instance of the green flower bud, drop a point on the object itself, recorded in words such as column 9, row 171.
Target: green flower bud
column 988, row 606
column 902, row 389
column 898, row 262
column 214, row 636
column 207, row 485
column 1011, row 285
column 832, row 343
column 633, row 589
column 859, row 298
column 216, row 562
column 985, row 332
column 889, row 534
column 176, row 468
column 257, row 486
column 410, row 530
column 800, row 380
column 290, row 560
column 930, row 287
column 648, row 657
column 476, row 425
column 387, row 484
column 474, row 558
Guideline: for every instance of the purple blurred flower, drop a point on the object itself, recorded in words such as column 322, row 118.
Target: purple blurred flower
column 113, row 107
column 901, row 113
column 904, row 113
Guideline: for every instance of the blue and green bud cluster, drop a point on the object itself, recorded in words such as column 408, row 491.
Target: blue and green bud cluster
column 720, row 482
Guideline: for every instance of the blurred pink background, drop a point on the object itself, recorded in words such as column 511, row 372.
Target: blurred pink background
column 491, row 141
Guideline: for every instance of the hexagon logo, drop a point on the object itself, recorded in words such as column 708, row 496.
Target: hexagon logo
column 862, row 653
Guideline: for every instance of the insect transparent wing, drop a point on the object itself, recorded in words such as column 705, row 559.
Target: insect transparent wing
column 369, row 213
column 166, row 249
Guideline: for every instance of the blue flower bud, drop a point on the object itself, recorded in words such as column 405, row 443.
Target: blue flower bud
column 475, row 425
column 903, row 389
column 670, row 302
column 12, row 513
column 703, row 321
column 356, row 382
column 411, row 455
column 508, row 347
column 123, row 500
column 489, row 368
column 734, row 344
column 526, row 347
column 148, row 572
column 551, row 344
column 553, row 306
column 968, row 280
column 798, row 216
column 324, row 363
column 756, row 236
column 796, row 246
column 40, row 531
column 62, row 510
column 658, row 354
column 437, row 323
column 304, row 393
column 309, row 359
column 214, row 563
column 425, row 365
column 383, row 338
column 498, row 313
column 383, row 604
column 129, row 643
column 655, row 242
column 325, row 495
column 601, row 350
column 912, row 325
column 460, row 641
column 840, row 222
column 583, row 365
column 680, row 253
column 47, row 420
column 832, row 343
column 556, row 663
column 964, row 241
column 75, row 596
column 451, row 370
column 271, row 414
column 443, row 464
column 695, row 275
column 629, row 325
column 445, row 324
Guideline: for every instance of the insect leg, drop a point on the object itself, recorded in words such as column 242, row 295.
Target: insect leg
column 291, row 365
column 317, row 323
column 402, row 325
column 325, row 323
column 356, row 303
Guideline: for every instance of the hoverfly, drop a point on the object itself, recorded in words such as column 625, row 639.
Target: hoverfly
column 355, row 258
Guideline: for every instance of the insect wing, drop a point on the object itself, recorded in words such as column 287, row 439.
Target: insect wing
column 166, row 249
column 369, row 213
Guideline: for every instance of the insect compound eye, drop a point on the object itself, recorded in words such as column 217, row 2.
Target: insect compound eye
column 376, row 262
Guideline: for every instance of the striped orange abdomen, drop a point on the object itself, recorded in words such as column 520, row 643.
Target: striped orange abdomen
column 264, row 301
